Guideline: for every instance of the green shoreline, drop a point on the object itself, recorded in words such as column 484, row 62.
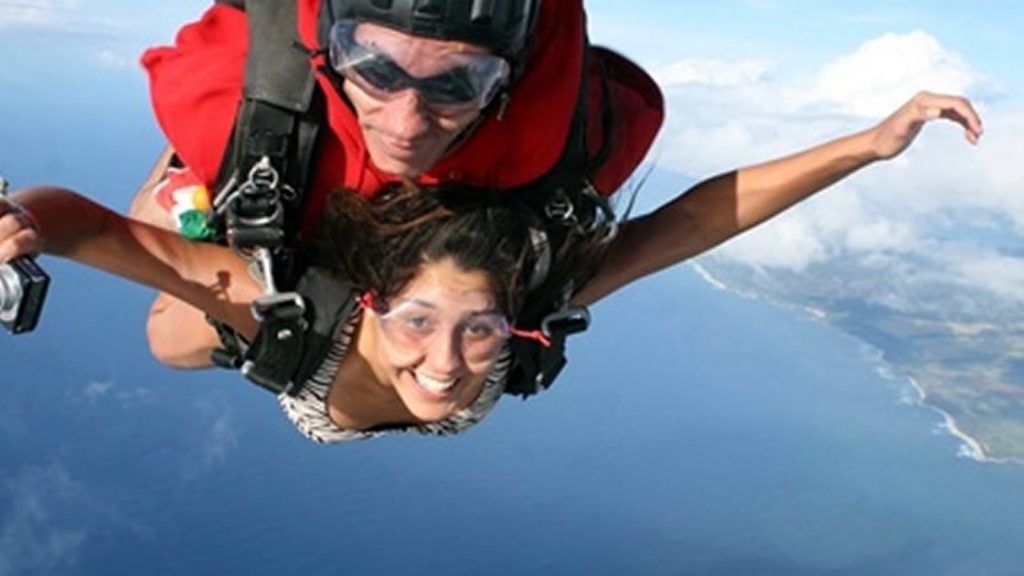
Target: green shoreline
column 962, row 368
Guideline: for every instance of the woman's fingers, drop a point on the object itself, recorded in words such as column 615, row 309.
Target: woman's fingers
column 894, row 134
column 18, row 237
column 954, row 108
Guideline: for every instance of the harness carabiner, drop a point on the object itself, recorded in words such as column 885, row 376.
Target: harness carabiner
column 252, row 210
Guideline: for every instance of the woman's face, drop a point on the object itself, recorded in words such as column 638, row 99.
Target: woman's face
column 438, row 339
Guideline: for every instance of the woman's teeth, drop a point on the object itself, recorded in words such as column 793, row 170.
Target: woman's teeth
column 435, row 385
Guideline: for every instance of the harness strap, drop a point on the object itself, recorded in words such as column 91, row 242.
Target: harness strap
column 279, row 118
column 233, row 346
column 289, row 348
column 263, row 177
column 275, row 353
column 331, row 302
column 277, row 69
column 568, row 202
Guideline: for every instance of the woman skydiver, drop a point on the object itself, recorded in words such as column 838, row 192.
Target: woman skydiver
column 442, row 278
column 435, row 278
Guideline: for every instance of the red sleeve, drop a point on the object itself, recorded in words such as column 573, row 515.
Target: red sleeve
column 527, row 140
column 638, row 110
column 196, row 85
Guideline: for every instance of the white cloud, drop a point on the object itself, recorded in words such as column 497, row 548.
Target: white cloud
column 719, row 73
column 134, row 397
column 37, row 14
column 111, row 59
column 879, row 236
column 102, row 390
column 96, row 390
column 221, row 438
column 49, row 517
column 791, row 243
column 997, row 273
column 213, row 436
column 879, row 75
column 723, row 116
column 823, row 228
column 34, row 539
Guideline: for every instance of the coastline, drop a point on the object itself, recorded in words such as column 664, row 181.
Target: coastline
column 970, row 447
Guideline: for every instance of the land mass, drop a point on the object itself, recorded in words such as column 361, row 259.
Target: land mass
column 960, row 345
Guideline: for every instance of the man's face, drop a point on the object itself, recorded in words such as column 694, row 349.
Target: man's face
column 410, row 101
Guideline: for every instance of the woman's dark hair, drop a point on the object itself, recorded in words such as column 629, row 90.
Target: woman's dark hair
column 379, row 244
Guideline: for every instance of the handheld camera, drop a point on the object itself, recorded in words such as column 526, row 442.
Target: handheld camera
column 23, row 287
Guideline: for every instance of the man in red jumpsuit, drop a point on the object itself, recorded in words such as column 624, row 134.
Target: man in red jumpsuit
column 487, row 102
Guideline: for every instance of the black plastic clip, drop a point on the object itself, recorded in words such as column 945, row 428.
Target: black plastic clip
column 275, row 354
column 566, row 321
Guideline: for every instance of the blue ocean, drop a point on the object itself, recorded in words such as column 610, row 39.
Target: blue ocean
column 694, row 432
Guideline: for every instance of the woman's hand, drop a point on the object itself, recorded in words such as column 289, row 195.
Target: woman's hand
column 894, row 134
column 19, row 235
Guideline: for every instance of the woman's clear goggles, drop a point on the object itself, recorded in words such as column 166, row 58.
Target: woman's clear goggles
column 413, row 325
column 470, row 84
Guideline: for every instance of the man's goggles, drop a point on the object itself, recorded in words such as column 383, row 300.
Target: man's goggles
column 469, row 83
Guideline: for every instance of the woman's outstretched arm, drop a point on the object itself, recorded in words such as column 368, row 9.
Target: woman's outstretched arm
column 66, row 224
column 721, row 207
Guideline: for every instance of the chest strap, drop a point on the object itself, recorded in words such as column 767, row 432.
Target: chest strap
column 289, row 347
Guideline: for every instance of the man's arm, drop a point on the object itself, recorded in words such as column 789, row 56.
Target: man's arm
column 179, row 335
column 144, row 207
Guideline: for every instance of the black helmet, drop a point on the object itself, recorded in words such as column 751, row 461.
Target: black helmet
column 503, row 26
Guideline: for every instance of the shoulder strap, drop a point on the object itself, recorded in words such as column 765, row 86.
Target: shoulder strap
column 277, row 124
column 567, row 203
column 262, row 183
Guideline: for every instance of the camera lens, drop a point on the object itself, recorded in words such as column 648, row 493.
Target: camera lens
column 10, row 292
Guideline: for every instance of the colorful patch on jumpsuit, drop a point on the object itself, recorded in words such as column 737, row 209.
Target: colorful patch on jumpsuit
column 187, row 199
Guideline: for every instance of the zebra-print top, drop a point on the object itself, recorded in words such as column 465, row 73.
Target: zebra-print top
column 308, row 409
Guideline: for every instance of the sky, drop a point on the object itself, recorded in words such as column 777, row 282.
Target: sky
column 745, row 81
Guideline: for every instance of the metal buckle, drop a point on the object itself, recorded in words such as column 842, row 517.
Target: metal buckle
column 542, row 258
column 253, row 204
column 559, row 208
column 568, row 320
column 607, row 219
column 279, row 306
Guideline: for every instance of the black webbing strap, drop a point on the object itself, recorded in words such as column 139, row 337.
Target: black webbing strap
column 537, row 366
column 280, row 114
column 277, row 69
column 563, row 192
column 275, row 353
column 263, row 178
column 285, row 360
column 331, row 302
